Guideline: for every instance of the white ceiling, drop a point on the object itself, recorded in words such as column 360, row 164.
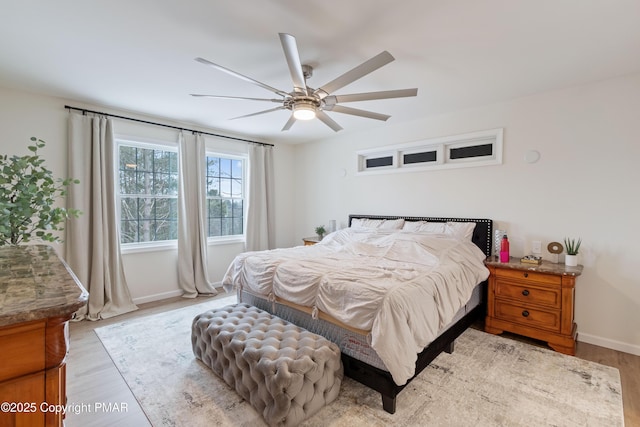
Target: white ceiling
column 139, row 55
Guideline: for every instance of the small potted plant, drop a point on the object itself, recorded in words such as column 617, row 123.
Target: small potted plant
column 320, row 231
column 571, row 246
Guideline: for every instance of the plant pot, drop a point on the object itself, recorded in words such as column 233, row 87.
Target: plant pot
column 571, row 260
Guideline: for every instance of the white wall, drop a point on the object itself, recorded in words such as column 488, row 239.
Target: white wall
column 585, row 185
column 150, row 275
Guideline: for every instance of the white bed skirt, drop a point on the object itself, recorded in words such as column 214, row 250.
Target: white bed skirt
column 351, row 343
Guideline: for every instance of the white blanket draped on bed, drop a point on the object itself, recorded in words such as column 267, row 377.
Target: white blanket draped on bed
column 402, row 286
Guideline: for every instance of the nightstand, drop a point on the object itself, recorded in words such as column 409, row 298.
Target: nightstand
column 309, row 241
column 536, row 301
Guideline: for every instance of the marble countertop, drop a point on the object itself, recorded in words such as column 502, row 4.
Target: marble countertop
column 545, row 267
column 36, row 284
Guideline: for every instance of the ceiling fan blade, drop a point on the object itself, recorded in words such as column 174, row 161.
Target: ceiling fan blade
column 289, row 123
column 351, row 76
column 239, row 98
column 259, row 112
column 357, row 112
column 241, row 77
column 290, row 48
column 369, row 96
column 324, row 118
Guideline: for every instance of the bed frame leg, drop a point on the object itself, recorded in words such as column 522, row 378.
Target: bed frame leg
column 450, row 347
column 389, row 404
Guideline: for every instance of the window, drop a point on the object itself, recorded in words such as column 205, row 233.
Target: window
column 473, row 149
column 148, row 195
column 225, row 195
column 420, row 157
column 469, row 151
column 379, row 162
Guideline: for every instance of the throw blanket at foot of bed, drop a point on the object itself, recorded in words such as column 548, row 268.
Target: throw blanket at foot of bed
column 285, row 372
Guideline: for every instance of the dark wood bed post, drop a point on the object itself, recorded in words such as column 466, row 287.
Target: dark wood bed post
column 381, row 381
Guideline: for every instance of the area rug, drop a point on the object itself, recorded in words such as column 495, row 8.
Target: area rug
column 488, row 381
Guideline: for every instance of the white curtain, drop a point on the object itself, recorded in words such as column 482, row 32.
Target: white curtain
column 193, row 276
column 93, row 240
column 260, row 209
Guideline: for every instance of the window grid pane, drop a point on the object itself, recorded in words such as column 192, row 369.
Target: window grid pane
column 225, row 192
column 148, row 194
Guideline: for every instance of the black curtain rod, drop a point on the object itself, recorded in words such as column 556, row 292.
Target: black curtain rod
column 84, row 110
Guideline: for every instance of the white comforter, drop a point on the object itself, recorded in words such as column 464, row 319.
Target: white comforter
column 403, row 287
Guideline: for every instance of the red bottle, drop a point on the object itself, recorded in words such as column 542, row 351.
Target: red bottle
column 504, row 249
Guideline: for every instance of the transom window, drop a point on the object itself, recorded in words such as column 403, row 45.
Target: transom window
column 225, row 195
column 481, row 148
column 148, row 177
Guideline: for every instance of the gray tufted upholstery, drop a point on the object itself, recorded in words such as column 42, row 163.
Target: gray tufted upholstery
column 287, row 373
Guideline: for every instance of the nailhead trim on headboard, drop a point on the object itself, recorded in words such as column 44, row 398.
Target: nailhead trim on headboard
column 482, row 235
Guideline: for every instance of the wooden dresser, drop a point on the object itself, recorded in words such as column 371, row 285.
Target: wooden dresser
column 38, row 296
column 536, row 301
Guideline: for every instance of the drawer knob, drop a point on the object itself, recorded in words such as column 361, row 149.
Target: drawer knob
column 525, row 313
column 525, row 293
column 526, row 274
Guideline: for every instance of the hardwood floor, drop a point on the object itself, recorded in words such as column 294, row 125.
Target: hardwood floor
column 98, row 396
column 629, row 367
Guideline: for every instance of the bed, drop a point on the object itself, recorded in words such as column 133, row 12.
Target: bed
column 384, row 283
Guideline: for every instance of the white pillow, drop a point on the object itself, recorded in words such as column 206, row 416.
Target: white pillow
column 382, row 224
column 424, row 227
column 460, row 230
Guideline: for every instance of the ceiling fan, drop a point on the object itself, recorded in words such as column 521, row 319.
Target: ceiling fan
column 307, row 103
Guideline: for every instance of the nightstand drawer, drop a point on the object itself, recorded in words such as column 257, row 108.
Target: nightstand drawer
column 520, row 292
column 524, row 315
column 528, row 276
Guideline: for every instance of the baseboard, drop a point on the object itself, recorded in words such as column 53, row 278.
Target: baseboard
column 609, row 343
column 170, row 294
column 157, row 297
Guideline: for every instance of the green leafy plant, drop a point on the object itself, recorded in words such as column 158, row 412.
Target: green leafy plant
column 320, row 231
column 28, row 193
column 572, row 246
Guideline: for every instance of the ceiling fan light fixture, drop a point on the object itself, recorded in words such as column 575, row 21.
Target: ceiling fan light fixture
column 304, row 111
column 306, row 103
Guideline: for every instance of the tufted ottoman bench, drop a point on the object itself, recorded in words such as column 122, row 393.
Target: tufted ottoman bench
column 285, row 372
